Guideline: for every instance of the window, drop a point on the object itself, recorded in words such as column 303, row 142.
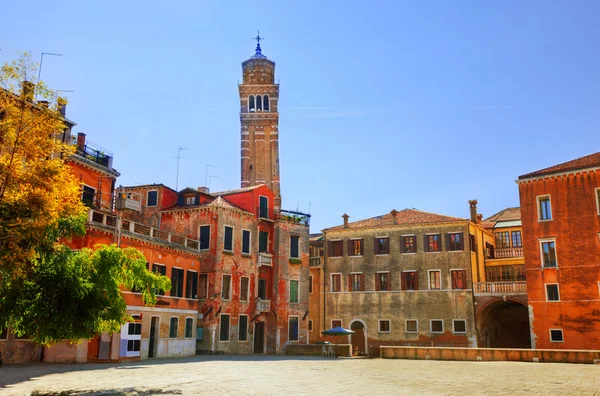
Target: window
column 433, row 243
column 409, row 244
column 203, row 291
column 355, row 247
column 191, row 200
column 87, row 196
column 244, row 288
column 266, row 103
column 544, row 208
column 335, row 249
column 294, row 291
column 258, row 102
column 435, row 280
column 204, row 237
column 384, row 326
column 245, row 242
column 132, row 335
column 251, row 105
column 176, row 282
column 336, row 323
column 556, row 335
column 160, row 269
column 189, row 327
column 411, row 326
column 336, row 283
column 263, row 242
column 382, row 245
column 243, row 328
column 459, row 326
column 516, row 239
column 459, row 279
column 382, row 281
column 502, row 240
column 228, row 239
column 356, row 282
column 191, row 284
column 409, row 280
column 436, row 326
column 310, row 325
column 152, row 198
column 262, row 289
column 294, row 246
column 505, row 273
column 548, row 254
column 472, row 243
column 455, row 241
column 293, row 328
column 173, row 327
column 598, row 200
column 226, row 287
column 552, row 292
column 224, row 327
column 263, row 211
column 310, row 284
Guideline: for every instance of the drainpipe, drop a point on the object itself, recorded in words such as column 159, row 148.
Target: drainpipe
column 325, row 255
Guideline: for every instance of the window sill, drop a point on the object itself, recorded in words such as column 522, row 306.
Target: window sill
column 382, row 254
column 248, row 255
column 465, row 333
column 355, row 255
column 384, row 332
column 455, row 251
column 542, row 221
column 437, row 251
column 294, row 260
column 228, row 251
column 409, row 253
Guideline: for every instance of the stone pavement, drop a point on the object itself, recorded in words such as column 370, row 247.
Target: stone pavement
column 275, row 375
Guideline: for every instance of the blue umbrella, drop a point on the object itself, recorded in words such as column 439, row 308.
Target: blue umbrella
column 337, row 331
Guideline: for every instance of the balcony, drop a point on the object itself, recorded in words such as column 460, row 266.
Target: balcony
column 508, row 253
column 316, row 261
column 294, row 217
column 483, row 288
column 95, row 154
column 263, row 305
column 131, row 227
column 265, row 259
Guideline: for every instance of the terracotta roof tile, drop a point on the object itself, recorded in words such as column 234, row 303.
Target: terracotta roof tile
column 403, row 217
column 589, row 161
column 505, row 215
column 236, row 191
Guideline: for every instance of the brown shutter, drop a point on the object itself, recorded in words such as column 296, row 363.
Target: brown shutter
column 349, row 282
column 329, row 248
column 362, row 282
column 415, row 243
column 377, row 281
column 453, row 279
column 416, row 280
column 375, row 246
column 387, row 246
column 425, row 244
column 464, row 279
column 447, row 242
column 403, row 280
column 362, row 247
column 350, row 243
column 462, row 241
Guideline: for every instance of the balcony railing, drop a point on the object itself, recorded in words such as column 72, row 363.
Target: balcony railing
column 265, row 259
column 95, row 153
column 508, row 253
column 316, row 261
column 518, row 287
column 263, row 305
column 110, row 220
column 294, row 217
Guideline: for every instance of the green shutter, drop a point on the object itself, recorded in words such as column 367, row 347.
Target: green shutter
column 293, row 291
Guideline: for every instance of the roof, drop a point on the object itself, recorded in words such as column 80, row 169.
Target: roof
column 506, row 224
column 505, row 215
column 315, row 237
column 218, row 202
column 154, row 185
column 236, row 191
column 589, row 161
column 403, row 217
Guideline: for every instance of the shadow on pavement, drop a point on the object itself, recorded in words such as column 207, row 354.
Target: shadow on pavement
column 110, row 392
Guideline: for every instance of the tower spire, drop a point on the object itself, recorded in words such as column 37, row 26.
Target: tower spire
column 258, row 39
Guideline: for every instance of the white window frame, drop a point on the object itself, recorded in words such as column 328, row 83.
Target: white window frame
column 429, row 279
column 247, row 325
column 245, row 298
column 134, row 337
column 431, row 326
column 546, row 240
column 557, row 290
column 263, row 103
column 93, row 188
column 289, row 324
column 230, row 286
column 597, row 199
column 268, row 206
column 148, row 193
column 232, row 238
column 406, row 326
column 539, row 212
column 185, row 327
column 331, row 282
column 249, row 252
column 562, row 334
column 177, row 336
column 290, row 292
column 310, row 326
column 249, row 109
column 200, row 234
column 458, row 320
column 290, row 250
column 229, row 330
column 379, row 326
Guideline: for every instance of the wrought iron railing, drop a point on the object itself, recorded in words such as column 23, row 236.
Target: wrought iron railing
column 95, row 153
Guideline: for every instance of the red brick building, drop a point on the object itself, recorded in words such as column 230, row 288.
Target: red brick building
column 560, row 212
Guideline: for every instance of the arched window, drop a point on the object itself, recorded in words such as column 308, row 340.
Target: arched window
column 266, row 102
column 258, row 102
column 251, row 106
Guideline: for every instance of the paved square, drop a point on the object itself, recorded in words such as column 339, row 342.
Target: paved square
column 276, row 375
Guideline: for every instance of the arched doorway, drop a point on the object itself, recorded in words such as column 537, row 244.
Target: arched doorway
column 359, row 338
column 504, row 324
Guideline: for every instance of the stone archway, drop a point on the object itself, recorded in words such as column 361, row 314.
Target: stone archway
column 504, row 324
column 359, row 338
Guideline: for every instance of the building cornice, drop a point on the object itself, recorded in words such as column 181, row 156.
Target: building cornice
column 558, row 174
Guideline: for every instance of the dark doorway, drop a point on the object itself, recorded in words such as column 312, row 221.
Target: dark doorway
column 262, row 289
column 259, row 337
column 153, row 339
column 358, row 338
column 504, row 324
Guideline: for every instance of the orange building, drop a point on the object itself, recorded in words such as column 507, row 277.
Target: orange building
column 560, row 211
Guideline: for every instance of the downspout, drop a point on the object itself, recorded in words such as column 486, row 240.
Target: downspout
column 325, row 255
column 473, row 283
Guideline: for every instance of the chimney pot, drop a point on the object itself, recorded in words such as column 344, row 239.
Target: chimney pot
column 479, row 218
column 81, row 141
column 473, row 209
column 203, row 189
column 345, row 216
column 394, row 212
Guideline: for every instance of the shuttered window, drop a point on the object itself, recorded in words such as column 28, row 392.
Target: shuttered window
column 173, row 327
column 226, row 287
column 408, row 244
column 459, row 279
column 244, row 288
column 189, row 327
column 263, row 242
column 336, row 282
column 159, row 269
column 355, row 247
column 294, row 291
column 454, row 241
column 382, row 281
column 433, row 243
column 410, row 280
column 381, row 245
column 293, row 330
column 356, row 282
column 243, row 328
column 335, row 249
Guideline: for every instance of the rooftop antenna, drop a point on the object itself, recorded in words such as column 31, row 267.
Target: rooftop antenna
column 210, row 178
column 206, row 175
column 64, row 90
column 41, row 62
column 179, row 157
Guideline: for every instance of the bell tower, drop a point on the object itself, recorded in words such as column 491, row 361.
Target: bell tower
column 259, row 117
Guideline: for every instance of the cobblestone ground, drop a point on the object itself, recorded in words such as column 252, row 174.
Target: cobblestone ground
column 274, row 375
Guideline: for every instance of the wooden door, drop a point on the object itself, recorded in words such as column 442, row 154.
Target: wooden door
column 358, row 339
column 153, row 339
column 259, row 337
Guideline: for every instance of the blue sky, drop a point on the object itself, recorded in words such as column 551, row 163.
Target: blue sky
column 383, row 104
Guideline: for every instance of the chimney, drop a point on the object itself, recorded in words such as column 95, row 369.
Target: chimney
column 473, row 207
column 27, row 90
column 81, row 141
column 479, row 218
column 394, row 212
column 203, row 190
column 43, row 104
column 345, row 216
column 62, row 106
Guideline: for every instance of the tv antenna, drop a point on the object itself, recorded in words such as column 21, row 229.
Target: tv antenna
column 206, row 175
column 41, row 62
column 179, row 157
